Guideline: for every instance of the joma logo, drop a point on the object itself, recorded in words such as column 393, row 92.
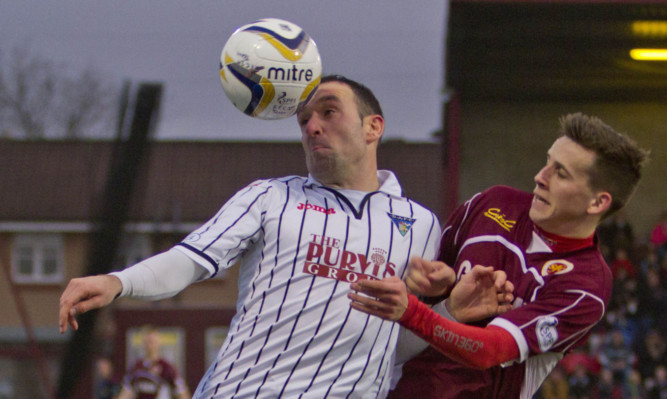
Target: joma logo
column 317, row 208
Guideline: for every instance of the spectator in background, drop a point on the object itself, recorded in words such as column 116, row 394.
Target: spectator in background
column 556, row 385
column 649, row 260
column 105, row 385
column 635, row 389
column 652, row 301
column 605, row 386
column 651, row 353
column 656, row 388
column 622, row 261
column 6, row 386
column 580, row 383
column 616, row 232
column 624, row 304
column 659, row 234
column 618, row 358
column 151, row 375
column 585, row 356
column 624, row 301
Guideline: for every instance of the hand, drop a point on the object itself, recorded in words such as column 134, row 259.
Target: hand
column 480, row 294
column 429, row 278
column 388, row 297
column 84, row 294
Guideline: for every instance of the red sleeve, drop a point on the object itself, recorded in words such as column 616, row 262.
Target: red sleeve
column 471, row 346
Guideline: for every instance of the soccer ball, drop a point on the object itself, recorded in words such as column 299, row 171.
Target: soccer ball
column 269, row 68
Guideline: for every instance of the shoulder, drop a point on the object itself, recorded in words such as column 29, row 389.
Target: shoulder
column 419, row 208
column 499, row 196
column 581, row 271
column 506, row 194
column 137, row 365
column 279, row 182
column 272, row 187
column 167, row 368
column 500, row 203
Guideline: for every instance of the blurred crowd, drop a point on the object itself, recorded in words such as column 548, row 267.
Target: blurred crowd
column 625, row 357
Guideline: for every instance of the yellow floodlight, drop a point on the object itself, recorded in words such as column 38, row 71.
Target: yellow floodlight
column 649, row 54
column 655, row 29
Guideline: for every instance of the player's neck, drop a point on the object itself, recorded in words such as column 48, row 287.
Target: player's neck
column 366, row 181
column 559, row 243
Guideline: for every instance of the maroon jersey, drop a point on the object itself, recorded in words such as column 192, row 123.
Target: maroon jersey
column 146, row 379
column 559, row 297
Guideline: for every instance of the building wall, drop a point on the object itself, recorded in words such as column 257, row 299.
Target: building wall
column 40, row 301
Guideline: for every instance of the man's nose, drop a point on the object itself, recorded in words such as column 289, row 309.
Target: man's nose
column 542, row 177
column 314, row 125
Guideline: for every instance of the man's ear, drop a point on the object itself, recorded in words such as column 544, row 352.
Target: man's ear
column 374, row 127
column 600, row 203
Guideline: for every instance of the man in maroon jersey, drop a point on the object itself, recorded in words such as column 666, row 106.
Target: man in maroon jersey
column 152, row 377
column 545, row 242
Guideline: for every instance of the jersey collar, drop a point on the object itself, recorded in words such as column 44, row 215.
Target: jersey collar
column 563, row 244
column 388, row 183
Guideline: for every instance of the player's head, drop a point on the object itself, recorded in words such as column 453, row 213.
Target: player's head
column 104, row 368
column 591, row 172
column 618, row 163
column 151, row 341
column 341, row 126
column 367, row 103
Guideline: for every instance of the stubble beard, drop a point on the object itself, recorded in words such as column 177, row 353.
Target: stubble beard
column 323, row 168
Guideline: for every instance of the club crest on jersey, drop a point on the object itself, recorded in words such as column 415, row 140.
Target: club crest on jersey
column 497, row 216
column 402, row 223
column 558, row 266
column 547, row 334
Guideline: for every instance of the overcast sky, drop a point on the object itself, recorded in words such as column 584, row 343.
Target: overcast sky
column 393, row 46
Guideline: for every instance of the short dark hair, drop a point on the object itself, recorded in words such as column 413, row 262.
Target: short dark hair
column 618, row 163
column 367, row 103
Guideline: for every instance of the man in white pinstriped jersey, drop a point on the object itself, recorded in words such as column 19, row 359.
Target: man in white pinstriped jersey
column 299, row 243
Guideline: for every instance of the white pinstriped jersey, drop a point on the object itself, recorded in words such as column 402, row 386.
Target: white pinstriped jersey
column 298, row 245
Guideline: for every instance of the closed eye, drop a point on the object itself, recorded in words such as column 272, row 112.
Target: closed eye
column 560, row 172
column 303, row 117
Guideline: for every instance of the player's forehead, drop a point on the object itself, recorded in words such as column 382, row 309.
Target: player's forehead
column 331, row 92
column 571, row 155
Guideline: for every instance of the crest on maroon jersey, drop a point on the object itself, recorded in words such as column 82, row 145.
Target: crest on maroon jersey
column 556, row 266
